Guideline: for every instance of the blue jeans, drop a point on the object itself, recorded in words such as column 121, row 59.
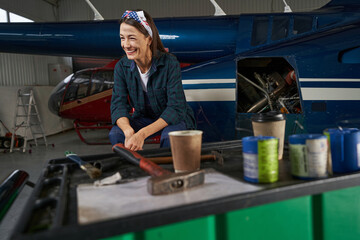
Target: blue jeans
column 116, row 135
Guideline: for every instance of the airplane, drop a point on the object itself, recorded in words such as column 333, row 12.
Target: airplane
column 304, row 64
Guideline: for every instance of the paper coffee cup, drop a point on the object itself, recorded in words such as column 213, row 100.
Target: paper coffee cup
column 270, row 124
column 186, row 150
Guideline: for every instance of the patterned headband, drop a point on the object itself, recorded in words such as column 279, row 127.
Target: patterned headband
column 140, row 18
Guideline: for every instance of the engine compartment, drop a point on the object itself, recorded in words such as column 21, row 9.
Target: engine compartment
column 266, row 84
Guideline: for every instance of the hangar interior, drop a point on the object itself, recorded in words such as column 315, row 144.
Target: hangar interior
column 42, row 73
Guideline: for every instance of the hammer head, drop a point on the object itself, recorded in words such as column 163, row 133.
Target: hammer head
column 175, row 182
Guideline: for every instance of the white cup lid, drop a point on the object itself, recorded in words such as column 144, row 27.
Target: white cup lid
column 185, row 133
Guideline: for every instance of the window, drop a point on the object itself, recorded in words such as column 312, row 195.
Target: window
column 96, row 86
column 326, row 21
column 101, row 81
column 16, row 18
column 108, row 80
column 280, row 27
column 260, row 31
column 12, row 17
column 3, row 16
column 302, row 24
column 78, row 87
column 350, row 55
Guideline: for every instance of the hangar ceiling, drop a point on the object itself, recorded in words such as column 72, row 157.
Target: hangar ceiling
column 72, row 10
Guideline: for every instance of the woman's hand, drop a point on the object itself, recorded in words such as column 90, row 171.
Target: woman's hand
column 135, row 142
column 128, row 132
column 124, row 124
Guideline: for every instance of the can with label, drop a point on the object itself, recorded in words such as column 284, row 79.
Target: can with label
column 260, row 154
column 308, row 155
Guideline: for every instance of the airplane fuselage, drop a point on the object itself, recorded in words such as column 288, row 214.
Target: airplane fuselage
column 240, row 65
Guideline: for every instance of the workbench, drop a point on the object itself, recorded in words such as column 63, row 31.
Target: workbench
column 290, row 208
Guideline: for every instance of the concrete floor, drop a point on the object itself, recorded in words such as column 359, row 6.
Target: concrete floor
column 34, row 162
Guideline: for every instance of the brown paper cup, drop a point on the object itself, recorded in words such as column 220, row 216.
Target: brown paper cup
column 274, row 128
column 186, row 150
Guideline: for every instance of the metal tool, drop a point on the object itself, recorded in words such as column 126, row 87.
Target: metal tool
column 214, row 156
column 92, row 171
column 162, row 180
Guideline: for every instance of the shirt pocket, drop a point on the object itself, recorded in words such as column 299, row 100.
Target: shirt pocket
column 160, row 96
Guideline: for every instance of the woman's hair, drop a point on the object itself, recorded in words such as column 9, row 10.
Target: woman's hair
column 156, row 44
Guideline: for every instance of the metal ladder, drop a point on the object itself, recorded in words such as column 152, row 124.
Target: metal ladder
column 28, row 119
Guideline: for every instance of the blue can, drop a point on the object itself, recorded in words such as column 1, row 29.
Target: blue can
column 308, row 156
column 345, row 149
column 260, row 154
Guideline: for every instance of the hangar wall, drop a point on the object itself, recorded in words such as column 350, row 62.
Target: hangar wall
column 18, row 70
column 23, row 69
column 51, row 123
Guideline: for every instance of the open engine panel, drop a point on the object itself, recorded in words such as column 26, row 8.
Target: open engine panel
column 267, row 84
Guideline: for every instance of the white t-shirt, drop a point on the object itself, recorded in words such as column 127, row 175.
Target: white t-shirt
column 144, row 78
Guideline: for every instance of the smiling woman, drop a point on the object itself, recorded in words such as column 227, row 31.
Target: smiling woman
column 148, row 79
column 136, row 46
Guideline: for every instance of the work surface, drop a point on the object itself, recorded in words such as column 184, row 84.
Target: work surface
column 52, row 212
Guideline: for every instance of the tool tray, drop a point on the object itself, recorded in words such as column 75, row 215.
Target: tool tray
column 51, row 211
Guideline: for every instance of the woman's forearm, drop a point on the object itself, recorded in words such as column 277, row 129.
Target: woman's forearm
column 153, row 128
column 124, row 124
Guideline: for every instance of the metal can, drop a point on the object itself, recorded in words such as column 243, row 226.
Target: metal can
column 308, row 155
column 344, row 144
column 260, row 155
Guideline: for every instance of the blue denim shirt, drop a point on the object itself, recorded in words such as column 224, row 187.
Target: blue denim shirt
column 164, row 89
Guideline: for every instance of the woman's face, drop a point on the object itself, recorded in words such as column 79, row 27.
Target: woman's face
column 134, row 43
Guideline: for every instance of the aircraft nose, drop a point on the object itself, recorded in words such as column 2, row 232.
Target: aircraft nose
column 54, row 103
column 56, row 97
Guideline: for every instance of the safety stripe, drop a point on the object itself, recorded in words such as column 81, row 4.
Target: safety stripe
column 330, row 94
column 209, row 86
column 330, row 84
column 208, row 83
column 203, row 81
column 329, row 80
column 216, row 95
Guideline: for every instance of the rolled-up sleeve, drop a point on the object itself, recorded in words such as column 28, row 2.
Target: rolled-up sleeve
column 119, row 100
column 176, row 103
